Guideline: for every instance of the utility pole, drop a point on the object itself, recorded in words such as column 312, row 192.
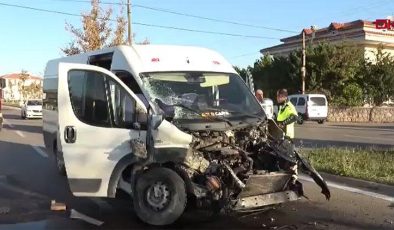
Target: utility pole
column 303, row 68
column 129, row 34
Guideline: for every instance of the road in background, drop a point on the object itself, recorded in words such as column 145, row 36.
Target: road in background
column 365, row 135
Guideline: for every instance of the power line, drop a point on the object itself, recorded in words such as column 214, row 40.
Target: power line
column 144, row 24
column 86, row 1
column 189, row 15
column 213, row 19
column 246, row 55
column 205, row 31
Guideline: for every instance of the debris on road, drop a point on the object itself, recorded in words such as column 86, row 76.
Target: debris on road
column 389, row 221
column 4, row 210
column 55, row 206
column 77, row 215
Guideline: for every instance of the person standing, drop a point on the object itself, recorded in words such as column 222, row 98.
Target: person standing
column 260, row 96
column 287, row 113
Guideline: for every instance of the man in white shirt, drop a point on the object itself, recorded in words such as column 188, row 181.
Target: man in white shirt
column 260, row 96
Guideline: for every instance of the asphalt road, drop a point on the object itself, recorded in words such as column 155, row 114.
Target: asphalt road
column 29, row 181
column 312, row 134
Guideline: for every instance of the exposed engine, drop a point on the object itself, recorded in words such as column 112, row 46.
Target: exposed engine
column 220, row 164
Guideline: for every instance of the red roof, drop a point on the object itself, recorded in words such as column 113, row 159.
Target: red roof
column 16, row 76
column 332, row 26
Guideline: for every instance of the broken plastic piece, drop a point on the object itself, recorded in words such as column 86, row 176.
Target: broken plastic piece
column 55, row 206
column 77, row 215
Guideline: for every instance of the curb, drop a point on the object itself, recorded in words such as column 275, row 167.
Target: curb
column 374, row 187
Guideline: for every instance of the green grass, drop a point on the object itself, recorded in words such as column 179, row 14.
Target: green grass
column 366, row 164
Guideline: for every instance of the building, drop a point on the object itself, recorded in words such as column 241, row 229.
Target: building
column 360, row 32
column 14, row 87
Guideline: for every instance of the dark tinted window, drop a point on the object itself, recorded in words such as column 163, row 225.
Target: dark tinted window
column 100, row 101
column 319, row 101
column 37, row 102
column 50, row 93
column 122, row 105
column 293, row 101
column 301, row 101
column 88, row 97
column 129, row 80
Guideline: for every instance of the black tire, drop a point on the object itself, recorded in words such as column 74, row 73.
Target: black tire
column 59, row 160
column 173, row 197
column 320, row 121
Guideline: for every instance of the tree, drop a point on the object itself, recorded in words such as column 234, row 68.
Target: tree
column 352, row 95
column 331, row 67
column 272, row 73
column 96, row 32
column 377, row 78
column 23, row 76
column 34, row 90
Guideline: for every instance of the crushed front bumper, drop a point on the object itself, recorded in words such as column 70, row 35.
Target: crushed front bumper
column 264, row 190
column 253, row 202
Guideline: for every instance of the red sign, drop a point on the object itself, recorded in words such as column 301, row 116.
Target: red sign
column 384, row 24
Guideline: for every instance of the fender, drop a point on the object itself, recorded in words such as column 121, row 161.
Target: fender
column 117, row 173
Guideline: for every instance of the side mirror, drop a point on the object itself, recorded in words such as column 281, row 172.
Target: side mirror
column 156, row 121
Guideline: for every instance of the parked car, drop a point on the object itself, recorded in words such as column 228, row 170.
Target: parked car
column 32, row 108
column 311, row 107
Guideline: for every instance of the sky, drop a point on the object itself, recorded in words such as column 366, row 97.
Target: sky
column 28, row 38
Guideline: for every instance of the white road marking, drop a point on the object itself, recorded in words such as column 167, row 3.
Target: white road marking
column 5, row 122
column 20, row 133
column 351, row 189
column 39, row 151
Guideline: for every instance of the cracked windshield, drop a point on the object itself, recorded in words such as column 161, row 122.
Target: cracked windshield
column 195, row 94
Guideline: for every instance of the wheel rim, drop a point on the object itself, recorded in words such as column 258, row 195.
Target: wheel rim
column 158, row 196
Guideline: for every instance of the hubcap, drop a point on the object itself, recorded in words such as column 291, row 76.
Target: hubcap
column 158, row 196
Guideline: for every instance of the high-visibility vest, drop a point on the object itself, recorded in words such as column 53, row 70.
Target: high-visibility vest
column 284, row 112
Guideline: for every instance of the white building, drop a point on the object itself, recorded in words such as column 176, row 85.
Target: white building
column 13, row 89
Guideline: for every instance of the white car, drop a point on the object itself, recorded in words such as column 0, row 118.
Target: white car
column 31, row 109
column 312, row 107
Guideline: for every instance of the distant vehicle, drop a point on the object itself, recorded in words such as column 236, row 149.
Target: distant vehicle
column 32, row 108
column 268, row 106
column 311, row 107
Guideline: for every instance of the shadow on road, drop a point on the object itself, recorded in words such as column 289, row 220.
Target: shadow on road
column 27, row 128
column 12, row 116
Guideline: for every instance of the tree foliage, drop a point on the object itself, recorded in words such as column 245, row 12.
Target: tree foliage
column 23, row 77
column 339, row 71
column 97, row 30
column 377, row 77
